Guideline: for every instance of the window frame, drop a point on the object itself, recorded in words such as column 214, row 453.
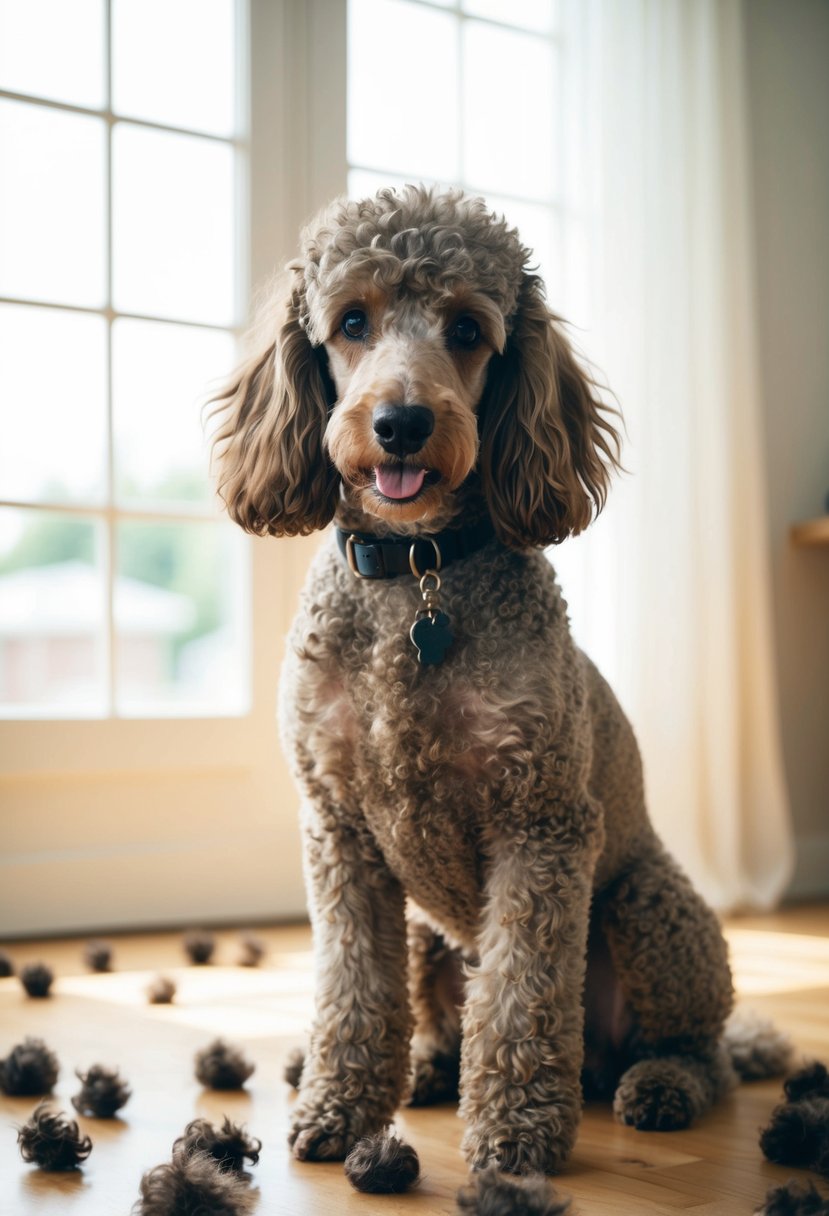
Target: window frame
column 292, row 53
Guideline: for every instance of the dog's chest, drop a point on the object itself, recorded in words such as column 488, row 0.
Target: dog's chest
column 428, row 757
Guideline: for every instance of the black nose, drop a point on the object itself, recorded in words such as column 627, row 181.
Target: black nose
column 402, row 429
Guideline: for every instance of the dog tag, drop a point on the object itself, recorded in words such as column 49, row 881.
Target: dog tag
column 432, row 637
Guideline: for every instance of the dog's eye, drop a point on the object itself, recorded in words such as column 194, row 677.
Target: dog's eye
column 354, row 324
column 466, row 332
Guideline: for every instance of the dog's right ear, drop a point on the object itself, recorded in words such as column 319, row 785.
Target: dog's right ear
column 272, row 472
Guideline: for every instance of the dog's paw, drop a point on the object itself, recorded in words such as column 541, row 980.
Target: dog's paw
column 435, row 1079
column 522, row 1152
column 657, row 1096
column 316, row 1144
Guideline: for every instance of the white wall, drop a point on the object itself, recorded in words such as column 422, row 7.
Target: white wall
column 788, row 71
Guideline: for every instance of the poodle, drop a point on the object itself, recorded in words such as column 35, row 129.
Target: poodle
column 493, row 913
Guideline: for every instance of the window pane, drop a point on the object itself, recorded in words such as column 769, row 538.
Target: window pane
column 529, row 14
column 363, row 183
column 52, row 405
column 173, row 225
column 52, row 232
column 54, row 49
column 162, row 375
column 402, row 88
column 540, row 230
column 507, row 76
column 180, row 609
column 52, row 615
column 173, row 62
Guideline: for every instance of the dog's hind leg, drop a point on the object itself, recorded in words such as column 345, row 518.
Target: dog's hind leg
column 436, row 994
column 672, row 963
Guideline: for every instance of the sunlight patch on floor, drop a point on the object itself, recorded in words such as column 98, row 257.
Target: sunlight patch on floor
column 767, row 962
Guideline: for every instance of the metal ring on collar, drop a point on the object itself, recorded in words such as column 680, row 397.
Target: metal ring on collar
column 413, row 564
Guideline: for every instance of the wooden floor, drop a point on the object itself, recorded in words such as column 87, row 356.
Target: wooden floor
column 716, row 1169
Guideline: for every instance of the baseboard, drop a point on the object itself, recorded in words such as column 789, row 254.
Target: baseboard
column 811, row 873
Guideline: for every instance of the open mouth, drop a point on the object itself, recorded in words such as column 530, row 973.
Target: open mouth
column 402, row 482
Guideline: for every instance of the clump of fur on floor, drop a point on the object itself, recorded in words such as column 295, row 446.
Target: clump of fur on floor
column 37, row 979
column 382, row 1164
column 29, row 1069
column 98, row 956
column 220, row 1066
column 6, row 965
column 492, row 1193
column 199, row 946
column 798, row 1133
column 161, row 991
column 294, row 1065
column 253, row 950
column 52, row 1141
column 793, row 1199
column 103, row 1091
column 758, row 1050
column 193, row 1184
column 228, row 1147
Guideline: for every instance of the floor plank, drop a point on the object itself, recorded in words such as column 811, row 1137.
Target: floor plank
column 781, row 965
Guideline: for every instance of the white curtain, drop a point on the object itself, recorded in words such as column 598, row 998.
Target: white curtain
column 669, row 591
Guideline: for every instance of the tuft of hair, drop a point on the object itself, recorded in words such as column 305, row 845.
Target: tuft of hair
column 52, row 1141
column 6, row 965
column 193, row 1184
column 253, row 950
column 103, row 1091
column 492, row 1193
column 98, row 956
column 229, row 1146
column 798, row 1133
column 199, row 946
column 294, row 1066
column 811, row 1081
column 382, row 1164
column 29, row 1069
column 794, row 1199
column 220, row 1066
column 36, row 978
column 161, row 991
column 757, row 1048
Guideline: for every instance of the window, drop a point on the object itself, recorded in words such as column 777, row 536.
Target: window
column 487, row 120
column 121, row 290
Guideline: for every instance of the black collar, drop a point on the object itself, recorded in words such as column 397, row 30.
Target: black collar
column 378, row 557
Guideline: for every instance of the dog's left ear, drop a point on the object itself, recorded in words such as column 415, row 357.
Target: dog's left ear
column 547, row 448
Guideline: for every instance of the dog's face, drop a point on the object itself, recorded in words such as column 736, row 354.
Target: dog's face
column 415, row 351
column 409, row 372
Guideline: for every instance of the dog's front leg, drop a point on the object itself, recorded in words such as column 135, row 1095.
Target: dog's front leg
column 357, row 1065
column 523, row 1020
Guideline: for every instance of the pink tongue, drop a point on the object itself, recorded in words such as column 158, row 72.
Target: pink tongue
column 398, row 480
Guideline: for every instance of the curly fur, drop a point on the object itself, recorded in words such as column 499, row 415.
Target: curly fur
column 199, row 947
column 382, row 1164
column 493, row 1194
column 495, row 802
column 794, row 1199
column 6, row 965
column 758, row 1050
column 229, row 1147
column 798, row 1132
column 52, row 1141
column 190, row 1185
column 30, row 1069
column 220, row 1066
column 161, row 991
column 37, row 979
column 103, row 1092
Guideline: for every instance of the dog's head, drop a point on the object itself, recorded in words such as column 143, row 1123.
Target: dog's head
column 414, row 354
